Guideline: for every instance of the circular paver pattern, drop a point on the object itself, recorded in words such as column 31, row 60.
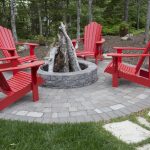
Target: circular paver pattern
column 99, row 101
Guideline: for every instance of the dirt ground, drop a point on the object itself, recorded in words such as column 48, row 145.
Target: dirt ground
column 111, row 41
column 137, row 41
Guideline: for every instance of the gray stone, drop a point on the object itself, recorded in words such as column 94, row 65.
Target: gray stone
column 72, row 79
column 142, row 96
column 35, row 114
column 98, row 111
column 89, row 103
column 63, row 114
column 72, row 109
column 21, row 113
column 145, row 147
column 105, row 109
column 54, row 115
column 112, row 114
column 105, row 116
column 128, row 132
column 47, row 110
column 117, row 106
column 14, row 112
column 143, row 121
column 78, row 113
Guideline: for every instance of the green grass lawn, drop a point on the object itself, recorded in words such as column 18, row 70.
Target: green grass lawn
column 15, row 135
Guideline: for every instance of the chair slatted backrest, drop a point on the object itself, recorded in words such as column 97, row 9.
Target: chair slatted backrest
column 6, row 41
column 4, row 86
column 141, row 60
column 92, row 34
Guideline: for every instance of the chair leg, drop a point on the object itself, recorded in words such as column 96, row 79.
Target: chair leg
column 114, row 80
column 115, row 72
column 101, row 55
column 35, row 84
column 96, row 60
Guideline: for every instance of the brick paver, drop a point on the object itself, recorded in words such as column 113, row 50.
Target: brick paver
column 99, row 101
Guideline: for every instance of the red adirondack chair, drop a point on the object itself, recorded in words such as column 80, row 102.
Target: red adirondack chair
column 92, row 42
column 136, row 74
column 7, row 44
column 19, row 84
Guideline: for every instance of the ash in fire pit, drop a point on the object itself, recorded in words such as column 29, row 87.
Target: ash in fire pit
column 63, row 69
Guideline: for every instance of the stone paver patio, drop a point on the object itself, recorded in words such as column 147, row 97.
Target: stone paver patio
column 96, row 102
column 128, row 131
column 145, row 147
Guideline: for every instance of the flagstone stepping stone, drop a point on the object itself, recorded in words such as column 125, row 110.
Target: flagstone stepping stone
column 143, row 121
column 128, row 131
column 145, row 147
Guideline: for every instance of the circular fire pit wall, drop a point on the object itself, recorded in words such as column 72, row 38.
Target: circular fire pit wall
column 86, row 76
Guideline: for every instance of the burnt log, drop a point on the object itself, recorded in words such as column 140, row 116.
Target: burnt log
column 63, row 56
column 72, row 57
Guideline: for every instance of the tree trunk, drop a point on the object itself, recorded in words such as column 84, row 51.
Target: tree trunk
column 64, row 12
column 47, row 20
column 68, row 15
column 78, row 18
column 13, row 19
column 138, row 14
column 40, row 21
column 126, row 10
column 90, row 11
column 147, row 23
column 3, row 12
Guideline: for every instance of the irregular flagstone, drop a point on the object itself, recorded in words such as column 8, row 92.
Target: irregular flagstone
column 143, row 121
column 145, row 147
column 128, row 131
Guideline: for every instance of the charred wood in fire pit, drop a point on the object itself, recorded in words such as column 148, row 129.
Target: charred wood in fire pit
column 65, row 60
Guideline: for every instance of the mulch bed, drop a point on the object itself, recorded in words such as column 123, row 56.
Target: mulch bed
column 111, row 41
column 40, row 52
column 115, row 41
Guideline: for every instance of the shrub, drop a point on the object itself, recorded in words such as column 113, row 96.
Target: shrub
column 123, row 29
column 40, row 39
column 110, row 30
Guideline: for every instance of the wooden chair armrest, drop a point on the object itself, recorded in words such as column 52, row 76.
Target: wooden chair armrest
column 24, row 66
column 9, row 58
column 82, row 39
column 22, row 43
column 31, row 46
column 127, row 55
column 75, row 40
column 128, row 48
column 8, row 49
column 100, row 42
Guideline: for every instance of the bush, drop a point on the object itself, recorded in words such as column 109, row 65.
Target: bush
column 110, row 30
column 123, row 29
column 40, row 39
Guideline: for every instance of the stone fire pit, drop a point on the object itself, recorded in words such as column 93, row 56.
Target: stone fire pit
column 62, row 69
column 86, row 76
